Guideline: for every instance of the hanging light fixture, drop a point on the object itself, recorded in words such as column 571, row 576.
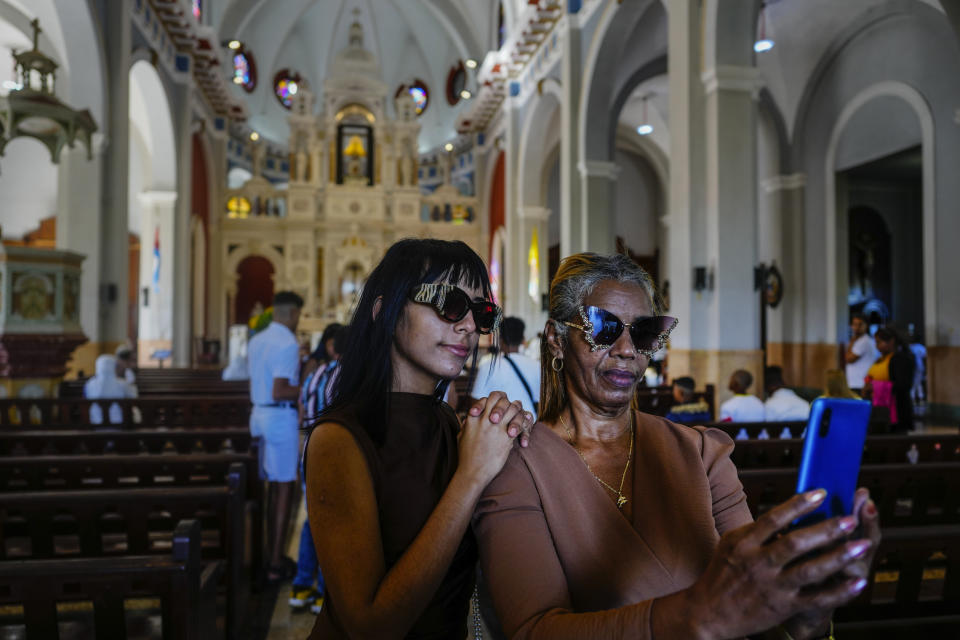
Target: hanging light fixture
column 763, row 43
column 33, row 109
column 646, row 128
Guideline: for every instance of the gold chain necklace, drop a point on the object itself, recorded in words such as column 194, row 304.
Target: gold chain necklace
column 620, row 499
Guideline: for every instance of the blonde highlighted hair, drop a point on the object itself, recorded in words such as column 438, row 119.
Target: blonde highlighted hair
column 576, row 279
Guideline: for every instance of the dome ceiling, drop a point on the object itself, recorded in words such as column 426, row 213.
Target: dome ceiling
column 410, row 39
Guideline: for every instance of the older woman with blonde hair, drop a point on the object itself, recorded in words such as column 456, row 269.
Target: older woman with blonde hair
column 616, row 523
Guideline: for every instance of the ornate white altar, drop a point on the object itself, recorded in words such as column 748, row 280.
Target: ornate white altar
column 353, row 191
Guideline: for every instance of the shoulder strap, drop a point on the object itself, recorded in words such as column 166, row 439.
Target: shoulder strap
column 523, row 380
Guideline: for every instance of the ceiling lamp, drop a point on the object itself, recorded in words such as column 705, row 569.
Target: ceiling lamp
column 465, row 94
column 32, row 108
column 646, row 128
column 254, row 136
column 448, row 146
column 234, row 44
column 471, row 63
column 763, row 43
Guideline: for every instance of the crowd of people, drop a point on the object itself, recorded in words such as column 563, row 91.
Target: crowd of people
column 534, row 502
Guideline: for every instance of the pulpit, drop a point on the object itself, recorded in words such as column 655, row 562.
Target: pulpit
column 39, row 319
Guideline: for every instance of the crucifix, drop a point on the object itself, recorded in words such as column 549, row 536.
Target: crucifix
column 36, row 32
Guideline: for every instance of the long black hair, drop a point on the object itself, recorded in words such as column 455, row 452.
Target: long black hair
column 366, row 372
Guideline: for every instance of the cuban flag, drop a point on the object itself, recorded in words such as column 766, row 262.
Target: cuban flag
column 156, row 260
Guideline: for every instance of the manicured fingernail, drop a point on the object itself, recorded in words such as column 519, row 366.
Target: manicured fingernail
column 494, row 418
column 871, row 508
column 859, row 585
column 529, row 416
column 816, row 496
column 512, row 432
column 849, row 523
column 857, row 549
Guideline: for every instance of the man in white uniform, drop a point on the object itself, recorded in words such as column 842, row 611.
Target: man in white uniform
column 273, row 357
column 783, row 405
column 742, row 407
column 861, row 352
column 515, row 374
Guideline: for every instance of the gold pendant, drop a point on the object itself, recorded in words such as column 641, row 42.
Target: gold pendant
column 621, row 501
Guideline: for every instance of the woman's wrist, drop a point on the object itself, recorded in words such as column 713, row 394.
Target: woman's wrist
column 678, row 616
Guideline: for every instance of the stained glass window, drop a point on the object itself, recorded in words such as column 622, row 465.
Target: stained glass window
column 285, row 86
column 197, row 9
column 420, row 98
column 244, row 69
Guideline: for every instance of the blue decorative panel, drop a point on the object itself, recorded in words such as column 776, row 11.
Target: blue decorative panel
column 480, row 139
column 514, row 89
column 433, row 172
column 219, row 124
column 271, row 163
column 285, row 167
column 573, row 6
column 183, row 63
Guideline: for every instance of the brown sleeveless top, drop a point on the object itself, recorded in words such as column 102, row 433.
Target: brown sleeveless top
column 411, row 470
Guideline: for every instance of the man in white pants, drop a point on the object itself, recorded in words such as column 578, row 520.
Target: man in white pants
column 274, row 360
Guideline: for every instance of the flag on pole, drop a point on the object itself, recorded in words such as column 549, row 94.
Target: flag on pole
column 156, row 260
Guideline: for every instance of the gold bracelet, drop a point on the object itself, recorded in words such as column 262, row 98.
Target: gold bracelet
column 787, row 636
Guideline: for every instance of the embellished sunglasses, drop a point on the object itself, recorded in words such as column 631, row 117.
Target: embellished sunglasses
column 452, row 304
column 601, row 329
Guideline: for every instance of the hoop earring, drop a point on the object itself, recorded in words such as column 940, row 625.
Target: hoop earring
column 555, row 366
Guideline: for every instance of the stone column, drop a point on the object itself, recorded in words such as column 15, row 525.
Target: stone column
column 733, row 311
column 686, row 215
column 596, row 219
column 182, row 115
column 79, row 199
column 114, row 245
column 572, row 239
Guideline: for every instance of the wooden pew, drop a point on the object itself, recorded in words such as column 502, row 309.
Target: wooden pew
column 774, row 429
column 117, row 522
column 885, row 449
column 33, row 442
column 164, row 382
column 171, row 411
column 914, row 589
column 905, row 494
column 185, row 584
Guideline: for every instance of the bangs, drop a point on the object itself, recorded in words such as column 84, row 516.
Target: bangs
column 458, row 265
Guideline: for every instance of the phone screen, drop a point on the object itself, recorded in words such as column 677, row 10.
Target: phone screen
column 832, row 450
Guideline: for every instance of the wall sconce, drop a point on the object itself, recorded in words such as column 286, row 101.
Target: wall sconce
column 699, row 279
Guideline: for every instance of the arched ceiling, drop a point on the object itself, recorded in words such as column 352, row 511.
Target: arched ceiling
column 410, row 39
column 803, row 32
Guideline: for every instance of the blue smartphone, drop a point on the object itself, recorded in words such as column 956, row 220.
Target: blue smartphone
column 832, row 449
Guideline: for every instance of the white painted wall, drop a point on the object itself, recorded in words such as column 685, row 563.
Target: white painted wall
column 28, row 187
column 639, row 203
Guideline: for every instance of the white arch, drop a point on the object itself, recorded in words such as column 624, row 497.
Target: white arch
column 150, row 113
column 533, row 143
column 919, row 105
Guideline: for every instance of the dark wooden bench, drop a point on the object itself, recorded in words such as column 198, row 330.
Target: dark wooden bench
column 914, row 588
column 185, row 584
column 774, row 429
column 883, row 449
column 164, row 382
column 905, row 494
column 172, row 411
column 22, row 442
column 107, row 523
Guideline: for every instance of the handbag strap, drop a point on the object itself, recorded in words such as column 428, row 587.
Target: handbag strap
column 516, row 369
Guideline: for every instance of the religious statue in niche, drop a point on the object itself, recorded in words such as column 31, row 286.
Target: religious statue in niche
column 869, row 266
column 355, row 155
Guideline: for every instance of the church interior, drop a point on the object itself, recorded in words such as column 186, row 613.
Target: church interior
column 778, row 167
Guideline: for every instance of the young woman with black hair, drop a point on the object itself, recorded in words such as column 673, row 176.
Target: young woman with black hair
column 391, row 486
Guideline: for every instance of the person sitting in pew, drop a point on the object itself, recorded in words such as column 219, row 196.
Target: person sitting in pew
column 783, row 405
column 742, row 407
column 688, row 411
column 106, row 385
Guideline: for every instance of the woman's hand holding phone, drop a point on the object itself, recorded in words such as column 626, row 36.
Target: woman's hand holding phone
column 816, row 621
